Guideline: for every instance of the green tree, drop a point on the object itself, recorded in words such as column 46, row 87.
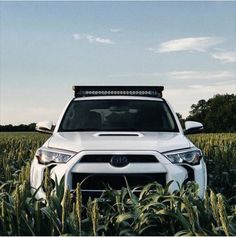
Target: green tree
column 218, row 114
column 199, row 110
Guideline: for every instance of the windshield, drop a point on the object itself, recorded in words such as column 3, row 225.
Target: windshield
column 118, row 115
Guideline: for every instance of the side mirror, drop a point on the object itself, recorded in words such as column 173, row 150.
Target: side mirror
column 45, row 127
column 192, row 127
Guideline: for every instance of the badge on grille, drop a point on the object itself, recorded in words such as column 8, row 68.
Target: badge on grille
column 119, row 160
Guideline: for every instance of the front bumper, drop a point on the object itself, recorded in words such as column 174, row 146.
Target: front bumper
column 177, row 173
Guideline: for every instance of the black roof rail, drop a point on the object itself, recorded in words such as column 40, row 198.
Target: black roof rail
column 147, row 91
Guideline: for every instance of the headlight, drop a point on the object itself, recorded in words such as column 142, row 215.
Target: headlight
column 191, row 156
column 46, row 156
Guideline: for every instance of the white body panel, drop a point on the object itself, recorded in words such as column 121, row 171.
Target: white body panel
column 152, row 141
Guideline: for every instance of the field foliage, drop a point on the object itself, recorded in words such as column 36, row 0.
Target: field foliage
column 219, row 150
column 155, row 211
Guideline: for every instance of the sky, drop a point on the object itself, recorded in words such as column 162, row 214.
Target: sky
column 47, row 47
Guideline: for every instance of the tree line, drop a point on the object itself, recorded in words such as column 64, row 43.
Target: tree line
column 217, row 114
column 18, row 128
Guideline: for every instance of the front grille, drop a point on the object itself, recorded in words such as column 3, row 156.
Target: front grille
column 98, row 182
column 107, row 158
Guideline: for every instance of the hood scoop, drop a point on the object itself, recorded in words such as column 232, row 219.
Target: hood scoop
column 118, row 134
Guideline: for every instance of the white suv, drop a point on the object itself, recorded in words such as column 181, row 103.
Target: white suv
column 106, row 134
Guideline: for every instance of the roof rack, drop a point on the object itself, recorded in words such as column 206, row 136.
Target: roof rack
column 147, row 91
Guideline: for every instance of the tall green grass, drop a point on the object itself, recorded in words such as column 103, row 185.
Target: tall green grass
column 219, row 150
column 156, row 211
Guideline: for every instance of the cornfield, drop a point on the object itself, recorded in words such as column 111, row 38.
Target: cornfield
column 219, row 150
column 155, row 211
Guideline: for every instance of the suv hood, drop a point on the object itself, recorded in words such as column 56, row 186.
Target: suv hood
column 155, row 141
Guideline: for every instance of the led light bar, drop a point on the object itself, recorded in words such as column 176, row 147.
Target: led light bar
column 149, row 91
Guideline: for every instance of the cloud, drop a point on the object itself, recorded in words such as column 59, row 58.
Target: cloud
column 135, row 75
column 92, row 39
column 216, row 84
column 193, row 44
column 115, row 30
column 178, row 75
column 77, row 36
column 200, row 75
column 152, row 50
column 225, row 57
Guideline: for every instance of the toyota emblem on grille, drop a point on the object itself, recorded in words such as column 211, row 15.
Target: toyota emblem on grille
column 119, row 160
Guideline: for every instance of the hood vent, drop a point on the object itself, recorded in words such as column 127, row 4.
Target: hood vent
column 118, row 134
